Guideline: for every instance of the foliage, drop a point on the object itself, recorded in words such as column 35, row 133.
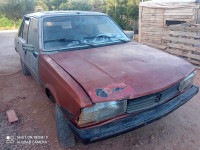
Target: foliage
column 124, row 12
column 16, row 9
column 76, row 5
column 96, row 3
column 5, row 23
column 49, row 5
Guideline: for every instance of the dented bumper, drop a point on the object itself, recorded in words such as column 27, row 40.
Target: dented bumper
column 134, row 121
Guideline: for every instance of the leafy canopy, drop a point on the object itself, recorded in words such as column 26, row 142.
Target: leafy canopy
column 16, row 9
column 49, row 5
column 76, row 5
column 119, row 8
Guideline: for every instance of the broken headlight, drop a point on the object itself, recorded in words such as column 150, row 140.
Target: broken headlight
column 102, row 111
column 187, row 82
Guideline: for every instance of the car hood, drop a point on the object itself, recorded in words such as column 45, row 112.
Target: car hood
column 122, row 71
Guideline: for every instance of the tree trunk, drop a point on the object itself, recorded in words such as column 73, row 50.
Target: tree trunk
column 15, row 24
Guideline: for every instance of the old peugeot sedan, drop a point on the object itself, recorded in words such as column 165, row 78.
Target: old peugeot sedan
column 103, row 83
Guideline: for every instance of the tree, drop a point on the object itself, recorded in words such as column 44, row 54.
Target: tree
column 49, row 5
column 124, row 12
column 96, row 3
column 16, row 9
column 76, row 5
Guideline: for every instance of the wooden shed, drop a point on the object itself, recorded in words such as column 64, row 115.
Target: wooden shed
column 155, row 16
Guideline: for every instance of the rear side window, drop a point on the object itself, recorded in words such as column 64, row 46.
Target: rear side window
column 25, row 29
column 33, row 33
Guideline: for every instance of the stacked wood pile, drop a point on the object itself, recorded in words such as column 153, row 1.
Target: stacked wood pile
column 151, row 24
column 184, row 41
column 153, row 18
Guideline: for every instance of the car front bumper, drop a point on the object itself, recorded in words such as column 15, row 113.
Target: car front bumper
column 134, row 121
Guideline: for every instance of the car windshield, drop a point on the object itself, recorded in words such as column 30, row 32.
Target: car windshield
column 65, row 32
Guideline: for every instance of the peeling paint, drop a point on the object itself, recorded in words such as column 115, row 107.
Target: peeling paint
column 101, row 93
column 118, row 89
column 114, row 91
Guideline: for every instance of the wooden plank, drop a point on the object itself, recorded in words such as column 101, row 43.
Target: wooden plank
column 140, row 23
column 152, row 25
column 152, row 21
column 194, row 62
column 184, row 47
column 183, row 28
column 198, row 16
column 178, row 14
column 153, row 14
column 182, row 33
column 179, row 17
column 185, row 10
column 183, row 53
column 151, row 35
column 151, row 29
column 160, row 10
column 151, row 32
column 181, row 40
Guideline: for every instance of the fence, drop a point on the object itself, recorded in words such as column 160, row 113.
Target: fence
column 184, row 41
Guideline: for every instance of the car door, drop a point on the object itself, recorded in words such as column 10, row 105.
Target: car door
column 22, row 39
column 33, row 39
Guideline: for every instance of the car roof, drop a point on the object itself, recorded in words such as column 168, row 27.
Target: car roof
column 60, row 13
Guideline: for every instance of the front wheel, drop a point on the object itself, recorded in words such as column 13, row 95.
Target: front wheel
column 65, row 136
column 25, row 69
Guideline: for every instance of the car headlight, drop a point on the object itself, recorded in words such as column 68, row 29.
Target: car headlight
column 187, row 82
column 102, row 111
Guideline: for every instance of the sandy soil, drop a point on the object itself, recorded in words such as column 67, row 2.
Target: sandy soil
column 179, row 130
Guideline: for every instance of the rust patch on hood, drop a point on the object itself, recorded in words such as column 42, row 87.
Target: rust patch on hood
column 114, row 91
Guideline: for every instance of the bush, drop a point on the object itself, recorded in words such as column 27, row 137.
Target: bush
column 6, row 24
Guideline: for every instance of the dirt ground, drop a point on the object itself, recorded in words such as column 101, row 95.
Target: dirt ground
column 178, row 131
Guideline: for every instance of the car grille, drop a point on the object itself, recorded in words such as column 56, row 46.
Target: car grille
column 150, row 101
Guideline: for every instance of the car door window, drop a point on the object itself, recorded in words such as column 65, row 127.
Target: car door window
column 33, row 33
column 25, row 29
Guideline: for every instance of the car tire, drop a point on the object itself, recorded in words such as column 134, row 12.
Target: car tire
column 25, row 69
column 50, row 96
column 65, row 136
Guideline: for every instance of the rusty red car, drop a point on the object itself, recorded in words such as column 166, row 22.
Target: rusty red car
column 102, row 83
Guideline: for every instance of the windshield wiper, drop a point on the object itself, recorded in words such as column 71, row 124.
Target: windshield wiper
column 122, row 40
column 69, row 40
column 108, row 36
column 86, row 43
column 61, row 40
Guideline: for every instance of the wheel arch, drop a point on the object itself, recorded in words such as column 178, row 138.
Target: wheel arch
column 50, row 90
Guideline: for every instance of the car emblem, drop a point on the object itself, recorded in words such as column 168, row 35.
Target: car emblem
column 158, row 98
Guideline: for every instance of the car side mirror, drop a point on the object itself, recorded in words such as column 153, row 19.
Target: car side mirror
column 130, row 34
column 28, row 47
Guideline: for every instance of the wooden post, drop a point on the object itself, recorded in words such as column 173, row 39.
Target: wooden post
column 140, row 24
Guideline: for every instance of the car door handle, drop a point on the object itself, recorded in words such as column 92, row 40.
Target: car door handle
column 35, row 54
